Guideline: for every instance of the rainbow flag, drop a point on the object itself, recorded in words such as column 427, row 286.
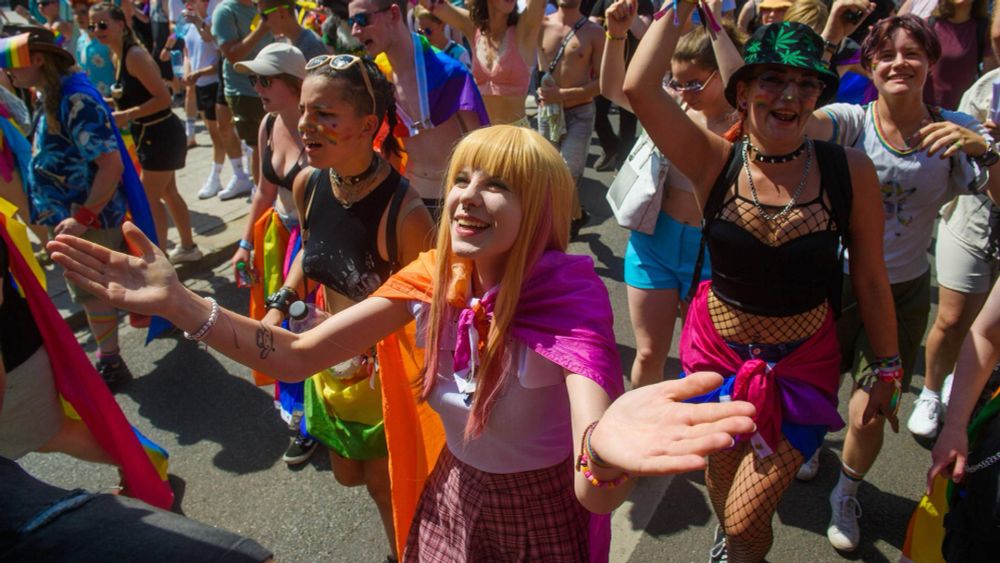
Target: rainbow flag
column 445, row 88
column 14, row 51
column 143, row 463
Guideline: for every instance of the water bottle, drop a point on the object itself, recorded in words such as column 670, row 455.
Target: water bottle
column 303, row 316
column 177, row 62
column 243, row 276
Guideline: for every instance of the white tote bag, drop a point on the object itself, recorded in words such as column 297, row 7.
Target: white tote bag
column 636, row 193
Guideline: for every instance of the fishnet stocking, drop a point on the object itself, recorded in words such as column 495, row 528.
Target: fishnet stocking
column 753, row 494
column 742, row 327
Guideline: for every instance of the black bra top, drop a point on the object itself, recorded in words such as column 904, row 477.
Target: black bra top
column 267, row 167
column 775, row 281
column 342, row 249
column 133, row 92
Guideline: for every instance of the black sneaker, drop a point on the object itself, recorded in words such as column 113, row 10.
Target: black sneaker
column 577, row 224
column 113, row 372
column 300, row 450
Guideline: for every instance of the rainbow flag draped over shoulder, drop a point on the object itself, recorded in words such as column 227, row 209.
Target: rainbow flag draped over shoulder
column 563, row 314
column 444, row 85
column 142, row 462
column 135, row 195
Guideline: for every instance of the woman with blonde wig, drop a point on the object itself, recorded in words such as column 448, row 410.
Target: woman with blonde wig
column 522, row 366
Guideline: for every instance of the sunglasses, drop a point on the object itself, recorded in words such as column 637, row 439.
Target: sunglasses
column 691, row 86
column 264, row 81
column 103, row 26
column 775, row 83
column 341, row 63
column 364, row 19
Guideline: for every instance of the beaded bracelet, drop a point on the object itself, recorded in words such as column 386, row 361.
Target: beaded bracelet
column 213, row 317
column 583, row 464
column 589, row 450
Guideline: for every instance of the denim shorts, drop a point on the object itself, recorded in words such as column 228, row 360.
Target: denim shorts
column 666, row 258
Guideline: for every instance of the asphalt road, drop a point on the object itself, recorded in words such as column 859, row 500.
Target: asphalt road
column 226, row 441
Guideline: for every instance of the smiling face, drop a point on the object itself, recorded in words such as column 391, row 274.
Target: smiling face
column 112, row 31
column 779, row 102
column 690, row 73
column 332, row 131
column 485, row 217
column 377, row 35
column 900, row 65
column 277, row 96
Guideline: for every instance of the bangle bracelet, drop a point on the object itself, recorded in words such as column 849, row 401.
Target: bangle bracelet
column 583, row 464
column 213, row 317
column 246, row 245
column 609, row 37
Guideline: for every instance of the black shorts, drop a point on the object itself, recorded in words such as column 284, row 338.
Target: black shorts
column 162, row 144
column 205, row 98
column 220, row 98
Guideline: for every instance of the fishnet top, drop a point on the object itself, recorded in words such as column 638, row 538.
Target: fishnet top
column 742, row 327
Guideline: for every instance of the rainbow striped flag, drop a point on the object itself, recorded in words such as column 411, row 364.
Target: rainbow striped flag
column 14, row 51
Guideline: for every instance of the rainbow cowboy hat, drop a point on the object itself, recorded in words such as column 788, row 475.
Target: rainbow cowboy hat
column 15, row 50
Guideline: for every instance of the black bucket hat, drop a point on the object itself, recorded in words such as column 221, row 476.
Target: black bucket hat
column 789, row 44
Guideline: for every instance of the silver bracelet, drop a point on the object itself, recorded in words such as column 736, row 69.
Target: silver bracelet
column 213, row 317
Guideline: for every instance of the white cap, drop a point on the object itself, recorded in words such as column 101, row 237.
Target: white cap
column 276, row 58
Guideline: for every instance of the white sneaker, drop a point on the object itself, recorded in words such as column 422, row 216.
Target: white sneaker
column 925, row 417
column 236, row 187
column 946, row 390
column 179, row 254
column 844, row 533
column 212, row 186
column 809, row 469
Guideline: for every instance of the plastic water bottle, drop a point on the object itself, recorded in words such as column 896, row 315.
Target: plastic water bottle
column 243, row 276
column 177, row 62
column 303, row 316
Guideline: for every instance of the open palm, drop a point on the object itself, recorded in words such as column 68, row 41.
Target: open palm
column 141, row 284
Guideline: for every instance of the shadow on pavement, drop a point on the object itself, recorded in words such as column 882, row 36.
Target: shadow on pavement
column 684, row 507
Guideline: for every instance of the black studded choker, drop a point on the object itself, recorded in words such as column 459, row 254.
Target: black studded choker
column 354, row 180
column 777, row 158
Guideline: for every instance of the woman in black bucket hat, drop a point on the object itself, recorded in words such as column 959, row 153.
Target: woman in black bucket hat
column 777, row 207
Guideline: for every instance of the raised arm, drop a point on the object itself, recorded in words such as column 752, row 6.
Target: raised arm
column 456, row 17
column 727, row 55
column 529, row 25
column 148, row 284
column 618, row 19
column 698, row 153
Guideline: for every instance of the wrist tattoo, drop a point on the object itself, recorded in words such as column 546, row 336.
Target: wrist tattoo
column 265, row 340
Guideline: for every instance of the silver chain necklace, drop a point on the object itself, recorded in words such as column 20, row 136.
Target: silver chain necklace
column 795, row 196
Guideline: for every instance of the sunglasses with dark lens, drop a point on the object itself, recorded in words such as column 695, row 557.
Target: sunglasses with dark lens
column 692, row 85
column 103, row 26
column 364, row 19
column 341, row 63
column 775, row 83
column 264, row 81
column 426, row 31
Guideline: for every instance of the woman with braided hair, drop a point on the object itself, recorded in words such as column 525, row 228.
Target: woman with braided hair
column 360, row 220
column 776, row 207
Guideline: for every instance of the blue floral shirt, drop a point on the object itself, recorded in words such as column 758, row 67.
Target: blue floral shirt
column 62, row 167
column 95, row 59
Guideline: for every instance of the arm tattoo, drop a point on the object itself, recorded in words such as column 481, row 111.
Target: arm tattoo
column 265, row 340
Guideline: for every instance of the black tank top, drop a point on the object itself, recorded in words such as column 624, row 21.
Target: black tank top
column 267, row 167
column 342, row 249
column 791, row 278
column 134, row 93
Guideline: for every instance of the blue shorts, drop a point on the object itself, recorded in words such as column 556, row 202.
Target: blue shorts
column 666, row 258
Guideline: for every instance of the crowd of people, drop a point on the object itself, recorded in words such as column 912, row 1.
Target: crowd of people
column 413, row 176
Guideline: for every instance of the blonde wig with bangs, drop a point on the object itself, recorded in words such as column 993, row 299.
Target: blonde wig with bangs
column 534, row 170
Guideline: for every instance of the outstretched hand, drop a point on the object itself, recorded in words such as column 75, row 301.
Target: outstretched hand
column 649, row 431
column 145, row 284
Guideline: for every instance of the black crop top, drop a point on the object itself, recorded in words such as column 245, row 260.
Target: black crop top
column 342, row 249
column 133, row 92
column 19, row 336
column 783, row 280
column 267, row 167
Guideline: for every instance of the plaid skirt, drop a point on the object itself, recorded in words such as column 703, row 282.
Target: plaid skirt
column 465, row 514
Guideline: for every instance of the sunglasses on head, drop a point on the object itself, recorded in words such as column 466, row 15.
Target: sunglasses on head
column 341, row 63
column 692, row 85
column 776, row 83
column 264, row 81
column 364, row 19
column 103, row 26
